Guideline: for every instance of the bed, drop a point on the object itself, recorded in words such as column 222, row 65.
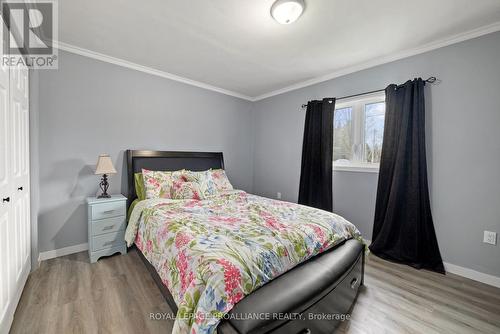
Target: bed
column 313, row 296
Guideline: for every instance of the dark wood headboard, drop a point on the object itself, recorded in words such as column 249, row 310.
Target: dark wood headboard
column 168, row 161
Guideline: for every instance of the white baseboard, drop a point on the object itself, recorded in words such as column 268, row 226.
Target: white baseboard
column 63, row 251
column 466, row 272
column 472, row 274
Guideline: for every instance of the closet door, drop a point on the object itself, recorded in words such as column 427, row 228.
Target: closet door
column 6, row 261
column 20, row 222
column 15, row 238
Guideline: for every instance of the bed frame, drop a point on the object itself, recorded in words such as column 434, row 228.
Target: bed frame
column 313, row 297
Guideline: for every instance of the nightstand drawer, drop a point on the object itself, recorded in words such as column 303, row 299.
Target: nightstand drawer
column 108, row 240
column 108, row 225
column 108, row 210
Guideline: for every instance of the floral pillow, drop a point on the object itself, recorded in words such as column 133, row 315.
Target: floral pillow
column 220, row 179
column 186, row 190
column 204, row 180
column 159, row 184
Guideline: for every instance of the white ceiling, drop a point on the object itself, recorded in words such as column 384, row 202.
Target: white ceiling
column 235, row 45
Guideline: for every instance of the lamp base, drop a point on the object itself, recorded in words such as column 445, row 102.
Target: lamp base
column 104, row 187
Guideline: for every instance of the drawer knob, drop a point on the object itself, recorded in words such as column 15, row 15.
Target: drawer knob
column 354, row 283
column 20, row 188
column 107, row 243
column 107, row 227
column 6, row 199
column 109, row 211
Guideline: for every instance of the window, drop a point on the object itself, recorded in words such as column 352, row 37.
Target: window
column 358, row 131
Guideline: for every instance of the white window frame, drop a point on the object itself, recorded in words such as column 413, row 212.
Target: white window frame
column 358, row 131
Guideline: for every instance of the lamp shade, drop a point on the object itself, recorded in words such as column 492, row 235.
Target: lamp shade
column 105, row 165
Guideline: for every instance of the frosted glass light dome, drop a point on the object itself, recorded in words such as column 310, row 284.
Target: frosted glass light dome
column 287, row 11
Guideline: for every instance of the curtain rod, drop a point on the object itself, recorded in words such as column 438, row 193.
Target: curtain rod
column 429, row 80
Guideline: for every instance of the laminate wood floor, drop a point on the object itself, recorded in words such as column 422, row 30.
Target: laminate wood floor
column 117, row 295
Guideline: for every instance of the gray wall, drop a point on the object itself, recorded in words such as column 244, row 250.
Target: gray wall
column 463, row 139
column 88, row 107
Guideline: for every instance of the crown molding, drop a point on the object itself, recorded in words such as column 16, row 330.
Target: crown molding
column 134, row 66
column 494, row 27
column 488, row 29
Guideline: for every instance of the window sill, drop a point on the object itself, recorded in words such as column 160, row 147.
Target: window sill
column 356, row 169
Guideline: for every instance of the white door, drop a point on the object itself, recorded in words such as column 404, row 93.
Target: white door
column 6, row 265
column 15, row 239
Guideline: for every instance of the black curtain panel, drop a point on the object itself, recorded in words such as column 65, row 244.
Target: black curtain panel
column 317, row 155
column 403, row 229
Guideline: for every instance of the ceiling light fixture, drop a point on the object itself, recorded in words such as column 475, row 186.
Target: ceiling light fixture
column 287, row 11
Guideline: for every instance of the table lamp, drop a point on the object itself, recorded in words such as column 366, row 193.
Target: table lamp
column 104, row 167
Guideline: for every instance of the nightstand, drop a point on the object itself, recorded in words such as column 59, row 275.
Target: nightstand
column 107, row 222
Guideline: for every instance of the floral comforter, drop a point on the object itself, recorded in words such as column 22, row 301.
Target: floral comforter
column 211, row 253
